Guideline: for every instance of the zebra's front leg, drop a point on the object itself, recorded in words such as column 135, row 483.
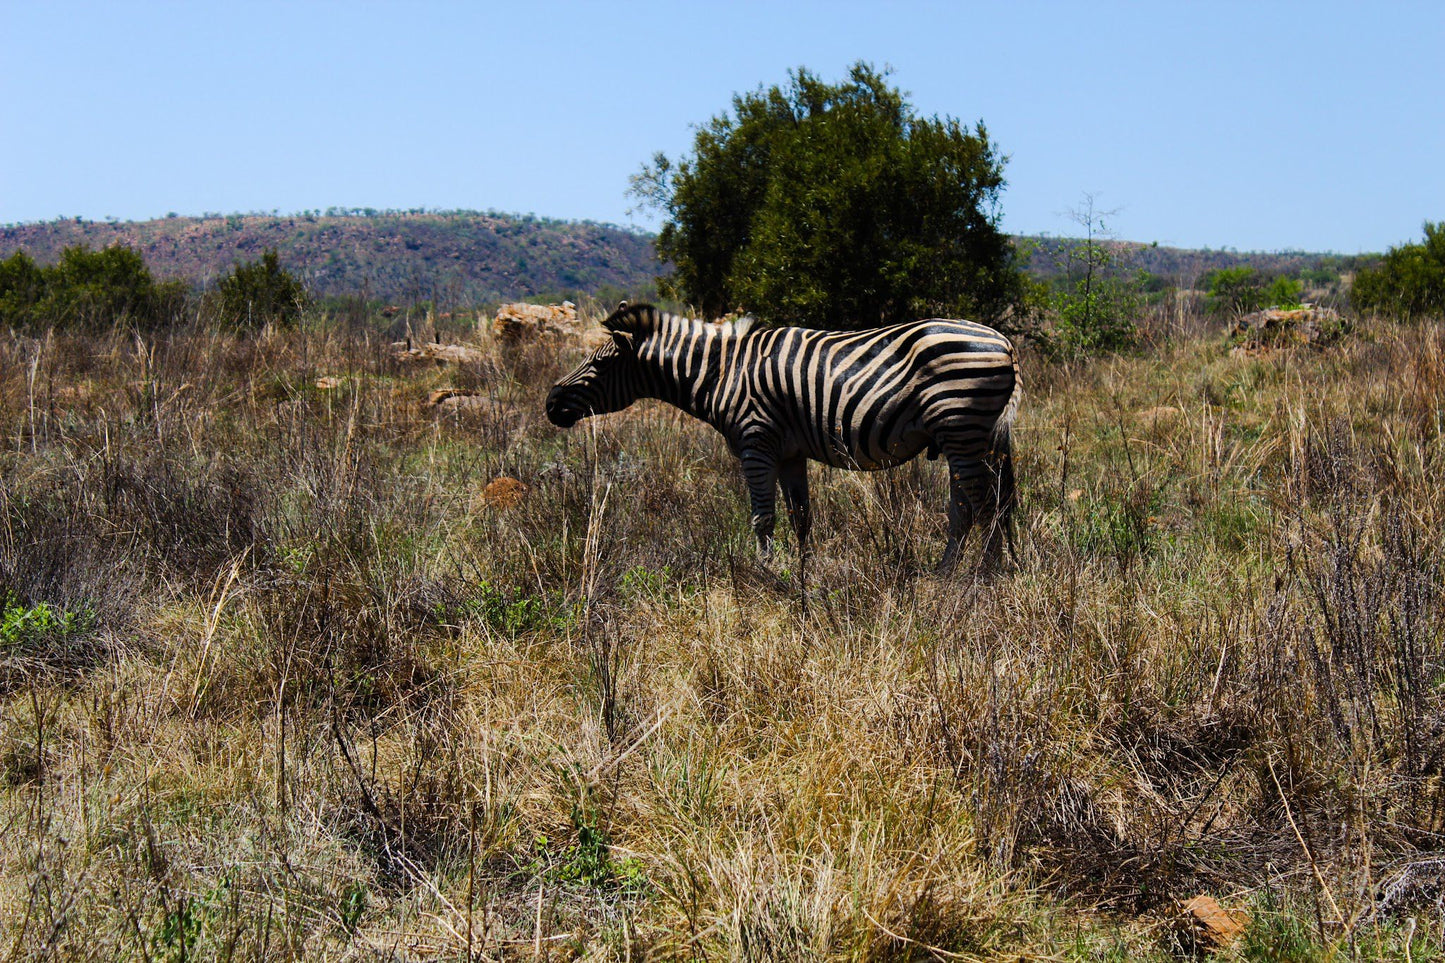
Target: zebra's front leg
column 760, row 471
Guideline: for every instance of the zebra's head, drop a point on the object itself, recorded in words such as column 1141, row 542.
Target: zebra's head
column 609, row 379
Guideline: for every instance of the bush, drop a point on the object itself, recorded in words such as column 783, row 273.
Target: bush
column 835, row 206
column 1235, row 290
column 22, row 285
column 1409, row 281
column 1283, row 292
column 86, row 290
column 261, row 292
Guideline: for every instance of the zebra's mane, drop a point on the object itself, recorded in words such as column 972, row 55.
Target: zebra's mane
column 643, row 319
column 638, row 319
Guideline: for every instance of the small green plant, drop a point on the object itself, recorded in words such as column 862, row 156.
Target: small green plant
column 1121, row 526
column 353, row 904
column 34, row 626
column 1283, row 292
column 1278, row 935
column 180, row 927
column 511, row 613
column 588, row 862
column 643, row 582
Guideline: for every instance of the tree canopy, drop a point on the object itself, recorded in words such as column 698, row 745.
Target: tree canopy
column 835, row 206
column 86, row 290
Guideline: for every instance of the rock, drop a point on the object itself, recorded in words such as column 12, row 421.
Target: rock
column 1159, row 413
column 504, row 492
column 438, row 353
column 1210, row 925
column 456, row 399
column 1254, row 333
column 438, row 395
column 523, row 322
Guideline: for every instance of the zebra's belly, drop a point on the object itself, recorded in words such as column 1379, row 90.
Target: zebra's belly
column 870, row 454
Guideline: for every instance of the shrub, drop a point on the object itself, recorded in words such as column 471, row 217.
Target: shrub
column 260, row 292
column 86, row 290
column 1283, row 292
column 1410, row 279
column 1095, row 305
column 1235, row 290
column 22, row 285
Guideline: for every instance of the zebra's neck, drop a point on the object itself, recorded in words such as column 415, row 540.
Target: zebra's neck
column 685, row 362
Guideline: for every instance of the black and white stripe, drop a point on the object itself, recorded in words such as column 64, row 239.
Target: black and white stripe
column 862, row 400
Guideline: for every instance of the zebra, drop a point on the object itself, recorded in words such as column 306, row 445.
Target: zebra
column 863, row 400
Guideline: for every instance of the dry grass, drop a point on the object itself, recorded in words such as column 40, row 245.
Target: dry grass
column 301, row 693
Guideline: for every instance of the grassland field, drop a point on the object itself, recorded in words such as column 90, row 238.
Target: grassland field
column 279, row 681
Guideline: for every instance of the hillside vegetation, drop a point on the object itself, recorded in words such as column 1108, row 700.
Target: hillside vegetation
column 284, row 675
column 453, row 259
column 461, row 259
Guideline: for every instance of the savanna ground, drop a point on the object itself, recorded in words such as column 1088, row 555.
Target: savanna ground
column 277, row 682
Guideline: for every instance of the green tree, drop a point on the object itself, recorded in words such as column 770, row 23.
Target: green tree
column 1235, row 290
column 86, row 290
column 1409, row 281
column 1096, row 307
column 835, row 206
column 22, row 285
column 259, row 292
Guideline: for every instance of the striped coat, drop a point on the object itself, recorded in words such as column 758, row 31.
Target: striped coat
column 862, row 400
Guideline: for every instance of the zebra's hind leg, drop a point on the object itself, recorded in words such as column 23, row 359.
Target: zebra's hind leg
column 793, row 476
column 961, row 475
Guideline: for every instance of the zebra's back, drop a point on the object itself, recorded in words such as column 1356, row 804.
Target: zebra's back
column 876, row 398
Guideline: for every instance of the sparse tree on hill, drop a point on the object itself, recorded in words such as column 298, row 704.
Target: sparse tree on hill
column 835, row 206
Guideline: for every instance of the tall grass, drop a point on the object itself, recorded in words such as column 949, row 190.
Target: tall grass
column 278, row 683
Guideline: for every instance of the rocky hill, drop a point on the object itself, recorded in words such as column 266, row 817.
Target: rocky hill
column 467, row 257
column 452, row 257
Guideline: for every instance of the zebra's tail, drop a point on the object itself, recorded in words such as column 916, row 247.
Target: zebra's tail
column 1001, row 461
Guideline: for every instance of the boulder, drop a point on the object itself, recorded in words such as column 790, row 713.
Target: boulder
column 524, row 322
column 1276, row 327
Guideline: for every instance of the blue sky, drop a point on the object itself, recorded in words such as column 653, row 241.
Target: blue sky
column 1259, row 126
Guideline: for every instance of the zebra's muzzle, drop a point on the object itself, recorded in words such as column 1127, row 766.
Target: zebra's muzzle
column 559, row 412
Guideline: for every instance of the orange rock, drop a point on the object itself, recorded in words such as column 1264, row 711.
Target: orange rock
column 522, row 321
column 504, row 492
column 1212, row 925
column 438, row 395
